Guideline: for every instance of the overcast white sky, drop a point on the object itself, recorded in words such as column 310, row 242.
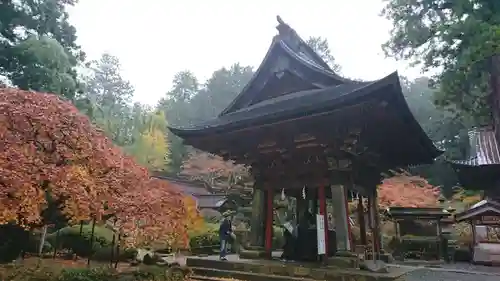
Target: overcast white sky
column 154, row 39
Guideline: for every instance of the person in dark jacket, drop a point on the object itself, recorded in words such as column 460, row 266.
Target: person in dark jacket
column 289, row 233
column 306, row 223
column 225, row 231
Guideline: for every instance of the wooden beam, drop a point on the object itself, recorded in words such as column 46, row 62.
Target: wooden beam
column 304, row 138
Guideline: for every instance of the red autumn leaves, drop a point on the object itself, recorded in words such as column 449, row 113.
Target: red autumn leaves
column 212, row 169
column 48, row 147
column 405, row 190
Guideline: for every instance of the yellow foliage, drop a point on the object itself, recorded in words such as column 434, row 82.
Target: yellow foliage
column 467, row 198
column 151, row 147
column 153, row 150
column 195, row 222
column 464, row 234
column 471, row 200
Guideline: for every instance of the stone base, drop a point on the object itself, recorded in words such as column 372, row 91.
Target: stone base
column 251, row 254
column 254, row 248
column 377, row 266
column 346, row 254
column 270, row 270
column 432, row 263
column 385, row 257
column 344, row 261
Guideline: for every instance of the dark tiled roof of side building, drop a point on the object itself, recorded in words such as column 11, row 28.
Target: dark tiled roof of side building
column 484, row 149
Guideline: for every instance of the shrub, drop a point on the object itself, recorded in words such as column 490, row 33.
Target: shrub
column 34, row 243
column 204, row 243
column 145, row 273
column 205, row 240
column 55, row 272
column 13, row 240
column 70, row 238
column 104, row 254
column 463, row 233
column 95, row 274
column 213, row 227
column 28, row 273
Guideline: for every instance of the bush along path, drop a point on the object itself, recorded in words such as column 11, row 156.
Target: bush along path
column 66, row 270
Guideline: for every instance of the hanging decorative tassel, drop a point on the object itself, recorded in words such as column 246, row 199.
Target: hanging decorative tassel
column 282, row 194
column 304, row 192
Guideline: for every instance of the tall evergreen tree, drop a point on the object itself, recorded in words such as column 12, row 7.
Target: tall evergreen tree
column 456, row 39
column 38, row 49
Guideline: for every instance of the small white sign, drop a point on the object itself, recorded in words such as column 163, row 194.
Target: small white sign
column 320, row 231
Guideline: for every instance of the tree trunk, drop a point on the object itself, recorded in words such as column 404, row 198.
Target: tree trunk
column 42, row 240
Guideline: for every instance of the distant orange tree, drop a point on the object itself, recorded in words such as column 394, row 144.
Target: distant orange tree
column 52, row 154
column 405, row 190
column 213, row 169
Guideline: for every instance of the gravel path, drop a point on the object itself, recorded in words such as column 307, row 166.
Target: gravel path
column 426, row 274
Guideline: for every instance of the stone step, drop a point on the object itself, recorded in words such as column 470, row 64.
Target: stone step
column 287, row 271
column 210, row 274
column 203, row 278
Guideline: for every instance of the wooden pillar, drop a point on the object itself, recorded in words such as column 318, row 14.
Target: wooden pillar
column 257, row 225
column 376, row 227
column 322, row 211
column 396, row 228
column 269, row 222
column 374, row 224
column 316, row 203
column 370, row 220
column 341, row 218
column 440, row 239
column 473, row 230
column 361, row 220
column 348, row 220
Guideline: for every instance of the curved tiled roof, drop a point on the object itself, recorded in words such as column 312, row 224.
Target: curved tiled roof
column 486, row 206
column 294, row 82
column 484, row 149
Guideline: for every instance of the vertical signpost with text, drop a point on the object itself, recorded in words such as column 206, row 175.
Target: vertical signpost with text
column 320, row 232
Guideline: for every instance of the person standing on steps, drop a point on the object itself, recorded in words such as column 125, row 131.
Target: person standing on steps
column 287, row 222
column 225, row 231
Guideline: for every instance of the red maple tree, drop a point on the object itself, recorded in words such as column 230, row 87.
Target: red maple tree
column 152, row 211
column 213, row 169
column 49, row 149
column 406, row 190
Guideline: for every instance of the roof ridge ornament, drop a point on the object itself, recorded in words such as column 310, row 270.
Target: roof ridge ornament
column 293, row 41
column 288, row 34
column 282, row 26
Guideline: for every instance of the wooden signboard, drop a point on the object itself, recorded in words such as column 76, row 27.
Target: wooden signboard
column 488, row 220
column 320, row 231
